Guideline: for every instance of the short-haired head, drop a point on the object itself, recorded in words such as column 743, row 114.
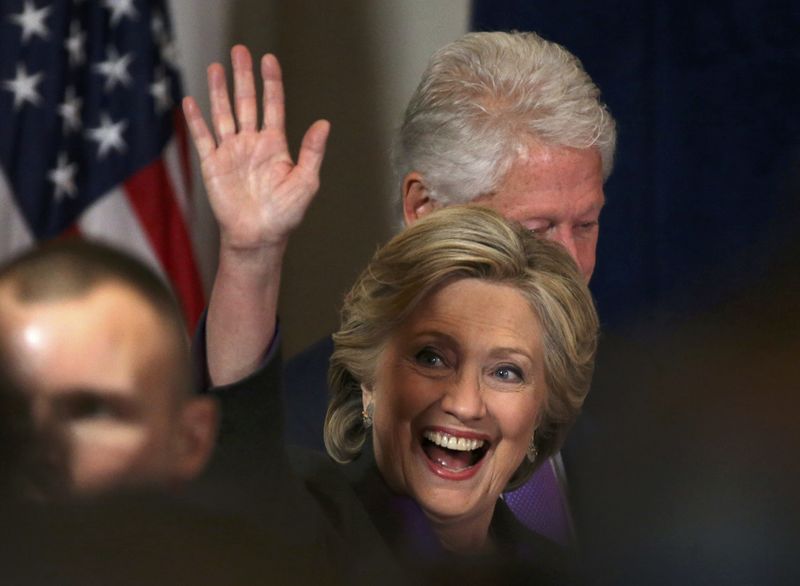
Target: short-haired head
column 484, row 99
column 72, row 268
column 97, row 342
column 464, row 243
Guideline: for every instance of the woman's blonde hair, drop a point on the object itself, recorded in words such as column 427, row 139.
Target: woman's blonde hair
column 458, row 243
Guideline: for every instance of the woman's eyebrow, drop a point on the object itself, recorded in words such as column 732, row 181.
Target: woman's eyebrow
column 436, row 334
column 502, row 351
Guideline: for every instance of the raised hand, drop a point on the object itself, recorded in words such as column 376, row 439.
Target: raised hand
column 257, row 193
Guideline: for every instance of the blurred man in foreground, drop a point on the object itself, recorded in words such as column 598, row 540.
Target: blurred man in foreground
column 97, row 342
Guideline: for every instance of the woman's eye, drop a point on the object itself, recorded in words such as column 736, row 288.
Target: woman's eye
column 508, row 374
column 429, row 358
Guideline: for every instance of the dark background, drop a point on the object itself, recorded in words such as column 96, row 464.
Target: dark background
column 706, row 95
column 683, row 467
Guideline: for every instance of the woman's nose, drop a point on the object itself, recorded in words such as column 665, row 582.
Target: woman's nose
column 464, row 398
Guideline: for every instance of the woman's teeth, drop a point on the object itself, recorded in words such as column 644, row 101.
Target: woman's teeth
column 451, row 442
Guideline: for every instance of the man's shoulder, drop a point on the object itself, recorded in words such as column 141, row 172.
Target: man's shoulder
column 309, row 364
column 305, row 394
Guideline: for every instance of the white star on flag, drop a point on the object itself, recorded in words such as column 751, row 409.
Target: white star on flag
column 120, row 9
column 70, row 110
column 32, row 21
column 169, row 53
column 108, row 135
column 63, row 177
column 115, row 68
column 157, row 28
column 74, row 44
column 159, row 89
column 24, row 87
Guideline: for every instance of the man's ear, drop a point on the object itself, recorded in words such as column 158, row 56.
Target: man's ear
column 198, row 423
column 417, row 201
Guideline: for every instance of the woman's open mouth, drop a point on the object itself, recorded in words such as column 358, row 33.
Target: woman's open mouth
column 453, row 456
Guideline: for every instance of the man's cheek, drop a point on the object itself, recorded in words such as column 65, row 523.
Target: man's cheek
column 105, row 453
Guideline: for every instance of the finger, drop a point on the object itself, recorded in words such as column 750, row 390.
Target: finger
column 312, row 149
column 274, row 109
column 201, row 136
column 306, row 172
column 221, row 116
column 244, row 88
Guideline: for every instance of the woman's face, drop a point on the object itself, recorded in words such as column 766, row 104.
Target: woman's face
column 457, row 394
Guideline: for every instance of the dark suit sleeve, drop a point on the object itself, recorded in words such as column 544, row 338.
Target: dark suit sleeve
column 249, row 469
column 297, row 495
column 250, row 473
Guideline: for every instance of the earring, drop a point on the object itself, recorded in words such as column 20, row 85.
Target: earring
column 366, row 415
column 533, row 451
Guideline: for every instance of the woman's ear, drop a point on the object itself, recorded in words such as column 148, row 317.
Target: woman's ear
column 366, row 396
column 367, row 406
column 417, row 201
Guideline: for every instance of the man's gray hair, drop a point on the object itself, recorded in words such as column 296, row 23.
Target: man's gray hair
column 483, row 99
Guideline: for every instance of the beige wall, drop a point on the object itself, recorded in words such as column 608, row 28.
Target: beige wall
column 354, row 62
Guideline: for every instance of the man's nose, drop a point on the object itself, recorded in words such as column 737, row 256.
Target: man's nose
column 566, row 238
column 464, row 398
column 583, row 257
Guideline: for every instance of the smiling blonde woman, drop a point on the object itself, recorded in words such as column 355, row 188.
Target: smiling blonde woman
column 467, row 345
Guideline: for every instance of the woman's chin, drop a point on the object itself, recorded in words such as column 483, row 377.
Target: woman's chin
column 448, row 505
column 448, row 492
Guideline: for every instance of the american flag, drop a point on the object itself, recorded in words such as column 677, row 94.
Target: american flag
column 91, row 138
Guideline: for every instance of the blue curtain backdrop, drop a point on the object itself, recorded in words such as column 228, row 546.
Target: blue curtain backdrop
column 707, row 99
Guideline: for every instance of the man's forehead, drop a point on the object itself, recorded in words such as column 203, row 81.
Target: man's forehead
column 533, row 204
column 105, row 340
column 107, row 305
column 550, row 181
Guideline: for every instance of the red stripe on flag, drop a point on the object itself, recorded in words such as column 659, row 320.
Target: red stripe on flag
column 72, row 232
column 182, row 138
column 152, row 197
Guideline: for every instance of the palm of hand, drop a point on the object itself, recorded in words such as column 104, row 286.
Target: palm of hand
column 252, row 189
column 257, row 193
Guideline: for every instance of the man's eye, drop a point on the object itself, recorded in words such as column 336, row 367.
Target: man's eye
column 587, row 226
column 428, row 357
column 86, row 406
column 540, row 227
